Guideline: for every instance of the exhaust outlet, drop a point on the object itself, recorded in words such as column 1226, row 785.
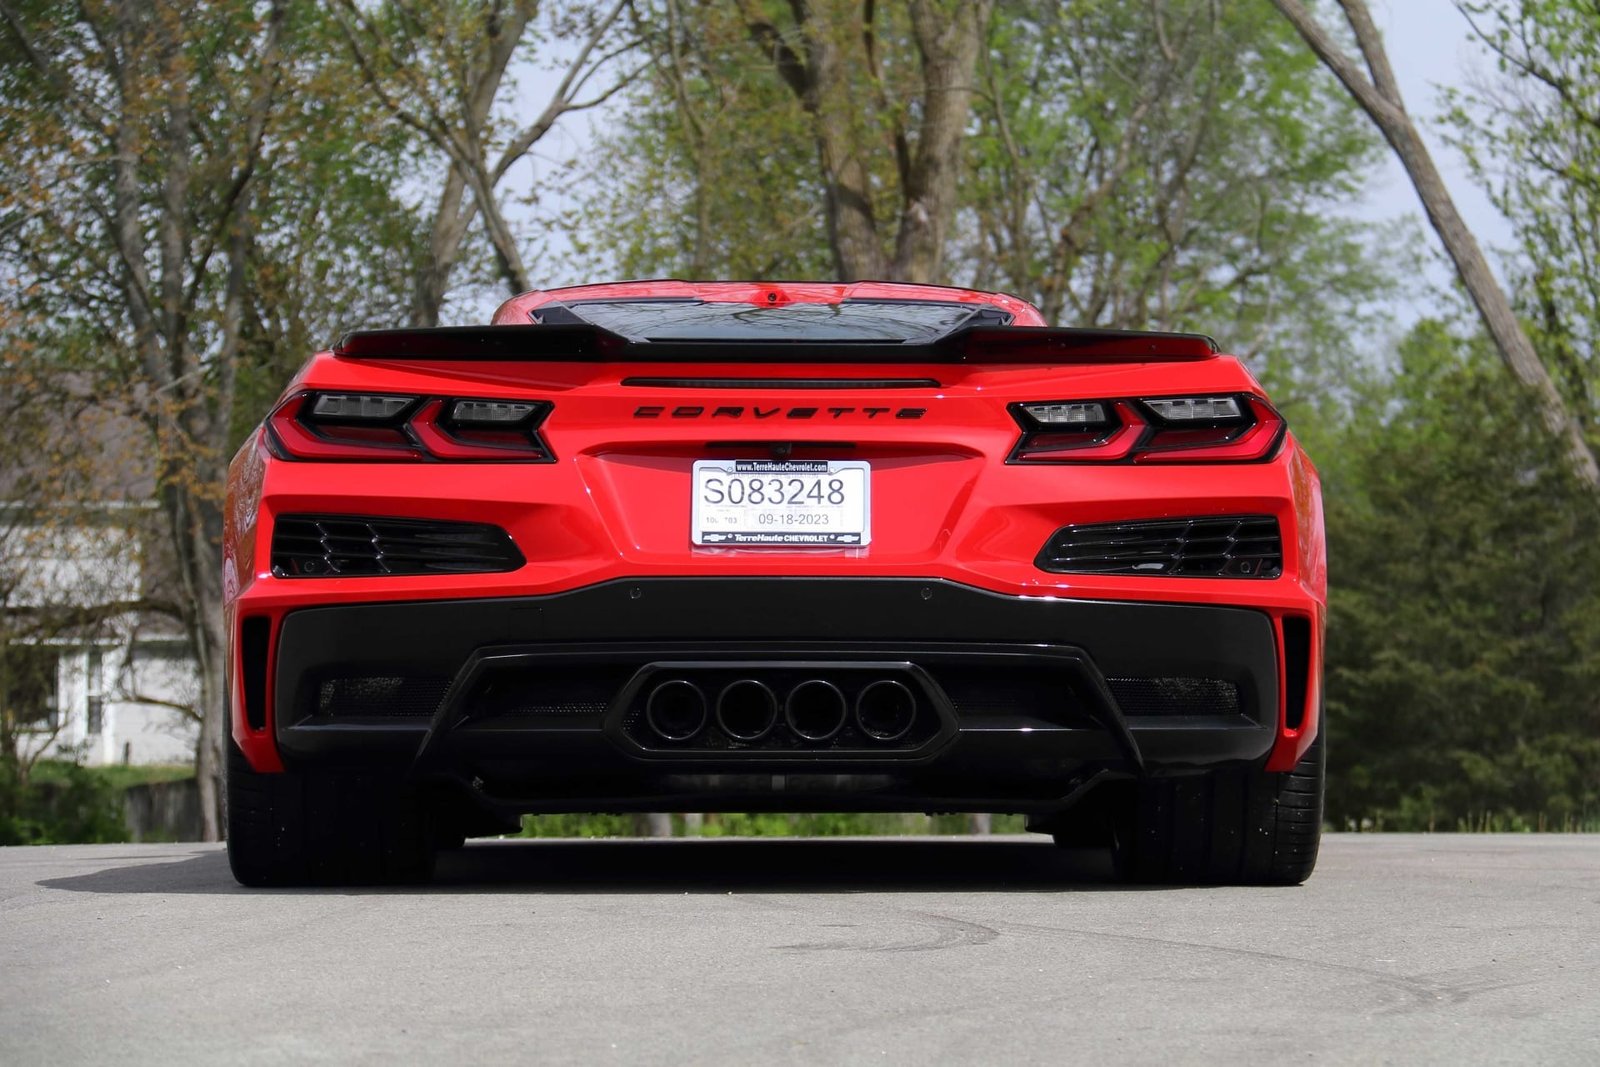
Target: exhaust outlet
column 746, row 710
column 676, row 710
column 886, row 710
column 815, row 710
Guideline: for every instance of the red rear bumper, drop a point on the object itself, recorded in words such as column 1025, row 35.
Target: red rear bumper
column 616, row 515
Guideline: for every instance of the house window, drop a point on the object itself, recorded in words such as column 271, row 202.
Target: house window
column 95, row 693
column 28, row 687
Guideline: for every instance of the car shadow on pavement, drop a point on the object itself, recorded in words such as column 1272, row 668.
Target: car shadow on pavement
column 744, row 865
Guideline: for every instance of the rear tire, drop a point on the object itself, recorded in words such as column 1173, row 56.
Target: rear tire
column 1223, row 828
column 324, row 829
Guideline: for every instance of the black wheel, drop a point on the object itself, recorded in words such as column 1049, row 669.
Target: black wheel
column 324, row 829
column 1223, row 828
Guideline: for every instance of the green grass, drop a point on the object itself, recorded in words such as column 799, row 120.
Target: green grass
column 736, row 824
column 116, row 776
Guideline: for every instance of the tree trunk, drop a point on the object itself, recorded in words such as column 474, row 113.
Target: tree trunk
column 848, row 202
column 449, row 228
column 949, row 37
column 455, row 116
column 948, row 47
column 1380, row 98
column 501, row 239
column 194, row 529
column 211, row 748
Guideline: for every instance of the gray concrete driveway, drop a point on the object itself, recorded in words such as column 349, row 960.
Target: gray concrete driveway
column 907, row 951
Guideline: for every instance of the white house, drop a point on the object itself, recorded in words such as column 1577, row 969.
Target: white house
column 114, row 701
column 109, row 686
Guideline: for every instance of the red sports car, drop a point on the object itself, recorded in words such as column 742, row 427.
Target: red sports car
column 672, row 546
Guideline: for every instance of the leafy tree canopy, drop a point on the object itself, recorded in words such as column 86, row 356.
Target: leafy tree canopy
column 1464, row 609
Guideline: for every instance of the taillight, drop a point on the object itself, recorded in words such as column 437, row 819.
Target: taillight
column 386, row 428
column 1225, row 429
column 1228, row 428
column 1101, row 431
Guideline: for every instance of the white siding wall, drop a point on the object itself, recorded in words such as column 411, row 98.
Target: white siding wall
column 127, row 728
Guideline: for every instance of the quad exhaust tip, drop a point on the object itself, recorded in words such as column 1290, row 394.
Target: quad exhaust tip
column 747, row 710
column 815, row 710
column 886, row 710
column 676, row 710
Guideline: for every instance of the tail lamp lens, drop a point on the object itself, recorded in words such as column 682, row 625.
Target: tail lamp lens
column 1195, row 408
column 1246, row 429
column 361, row 407
column 1236, row 428
column 1067, row 414
column 490, row 412
column 385, row 428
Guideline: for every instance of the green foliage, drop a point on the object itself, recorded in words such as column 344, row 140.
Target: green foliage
column 766, row 824
column 1532, row 139
column 579, row 825
column 62, row 803
column 114, row 776
column 1464, row 613
column 1173, row 165
column 338, row 222
column 711, row 171
column 1170, row 165
column 327, row 204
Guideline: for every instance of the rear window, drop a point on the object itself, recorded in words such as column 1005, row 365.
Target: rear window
column 875, row 321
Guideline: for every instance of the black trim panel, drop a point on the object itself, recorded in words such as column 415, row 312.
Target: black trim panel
column 782, row 383
column 576, row 762
column 590, row 344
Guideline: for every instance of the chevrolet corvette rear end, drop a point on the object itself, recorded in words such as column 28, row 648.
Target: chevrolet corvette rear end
column 790, row 547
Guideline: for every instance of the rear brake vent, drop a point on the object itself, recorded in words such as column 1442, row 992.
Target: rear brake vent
column 333, row 546
column 1175, row 696
column 1238, row 546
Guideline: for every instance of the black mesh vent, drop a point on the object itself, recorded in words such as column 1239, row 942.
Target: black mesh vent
column 385, row 696
column 1012, row 691
column 1175, row 696
column 1236, row 546
column 547, row 691
column 330, row 546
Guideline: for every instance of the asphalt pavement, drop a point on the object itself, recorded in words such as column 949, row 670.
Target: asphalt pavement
column 1401, row 949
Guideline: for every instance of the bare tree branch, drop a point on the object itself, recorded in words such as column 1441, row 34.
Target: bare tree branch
column 187, row 710
column 1380, row 98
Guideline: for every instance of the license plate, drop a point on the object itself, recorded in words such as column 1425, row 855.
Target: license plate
column 798, row 503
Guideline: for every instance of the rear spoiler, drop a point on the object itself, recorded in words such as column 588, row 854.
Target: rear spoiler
column 582, row 343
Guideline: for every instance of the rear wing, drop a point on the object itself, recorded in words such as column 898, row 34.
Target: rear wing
column 583, row 343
